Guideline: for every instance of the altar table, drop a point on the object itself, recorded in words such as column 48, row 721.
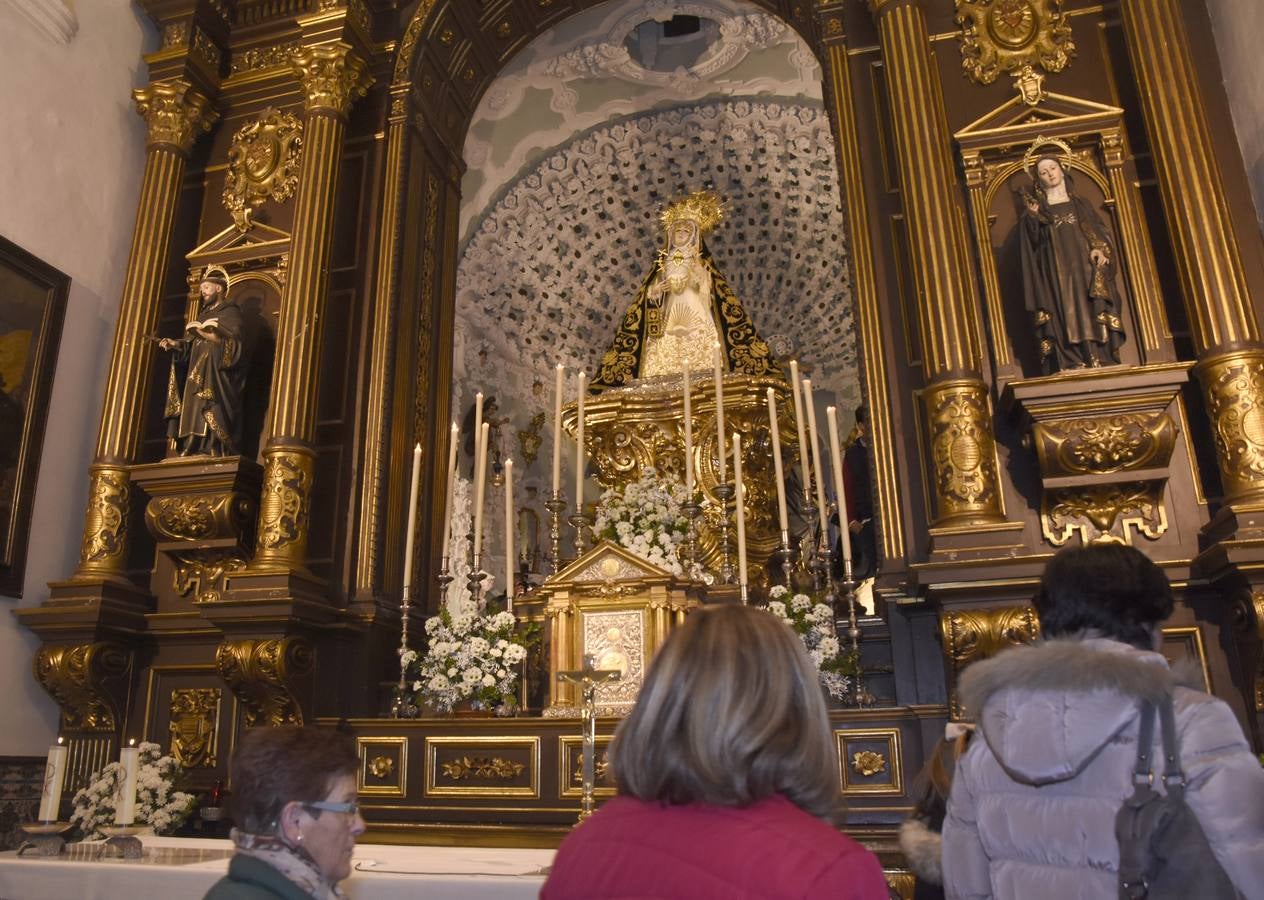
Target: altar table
column 179, row 868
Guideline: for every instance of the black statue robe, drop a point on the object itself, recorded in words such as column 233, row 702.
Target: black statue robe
column 204, row 388
column 1072, row 301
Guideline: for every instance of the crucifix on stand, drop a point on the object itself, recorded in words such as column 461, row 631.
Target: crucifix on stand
column 587, row 680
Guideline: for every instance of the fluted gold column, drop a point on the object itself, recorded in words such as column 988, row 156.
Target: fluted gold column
column 864, row 286
column 955, row 401
column 1222, row 320
column 332, row 77
column 176, row 114
column 381, row 368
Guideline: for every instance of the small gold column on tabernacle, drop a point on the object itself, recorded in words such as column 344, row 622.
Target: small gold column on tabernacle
column 955, row 401
column 176, row 114
column 864, row 283
column 333, row 76
column 376, row 440
column 1222, row 320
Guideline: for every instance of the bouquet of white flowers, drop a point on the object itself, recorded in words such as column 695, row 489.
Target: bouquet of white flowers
column 814, row 624
column 470, row 655
column 158, row 805
column 648, row 518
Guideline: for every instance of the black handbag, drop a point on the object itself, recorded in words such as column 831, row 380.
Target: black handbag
column 1163, row 852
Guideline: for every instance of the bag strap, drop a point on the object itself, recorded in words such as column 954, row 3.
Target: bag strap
column 1143, row 772
column 1173, row 775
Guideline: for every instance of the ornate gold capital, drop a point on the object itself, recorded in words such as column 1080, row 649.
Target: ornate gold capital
column 261, row 673
column 1234, row 387
column 88, row 681
column 175, row 112
column 263, row 164
column 284, row 505
column 971, row 635
column 194, row 726
column 963, row 451
column 333, row 77
column 1013, row 36
column 105, row 522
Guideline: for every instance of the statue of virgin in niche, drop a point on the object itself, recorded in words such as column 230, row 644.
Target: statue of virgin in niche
column 1068, row 268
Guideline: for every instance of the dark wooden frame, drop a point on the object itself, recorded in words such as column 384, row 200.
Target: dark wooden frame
column 15, row 532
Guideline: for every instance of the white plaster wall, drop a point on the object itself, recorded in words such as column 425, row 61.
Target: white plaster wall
column 71, row 158
column 1238, row 26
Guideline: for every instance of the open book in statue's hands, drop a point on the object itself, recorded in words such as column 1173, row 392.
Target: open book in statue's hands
column 202, row 326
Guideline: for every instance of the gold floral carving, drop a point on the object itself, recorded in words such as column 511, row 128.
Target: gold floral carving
column 1104, row 512
column 206, row 50
column 88, row 681
column 601, row 768
column 381, row 766
column 203, row 573
column 109, row 502
column 333, row 77
column 199, row 516
column 485, row 768
column 260, row 675
column 868, row 763
column 194, row 726
column 962, row 449
column 284, row 506
column 273, row 56
column 175, row 113
column 1102, row 445
column 529, row 440
column 1011, row 36
column 263, row 164
column 1234, row 384
column 971, row 635
column 175, row 34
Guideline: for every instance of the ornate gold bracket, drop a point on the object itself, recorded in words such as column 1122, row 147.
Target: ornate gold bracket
column 261, row 674
column 974, row 634
column 88, row 681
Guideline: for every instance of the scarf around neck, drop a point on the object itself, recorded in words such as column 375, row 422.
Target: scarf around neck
column 295, row 863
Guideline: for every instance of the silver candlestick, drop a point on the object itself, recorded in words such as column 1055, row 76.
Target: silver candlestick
column 723, row 493
column 556, row 505
column 785, row 556
column 692, row 510
column 580, row 523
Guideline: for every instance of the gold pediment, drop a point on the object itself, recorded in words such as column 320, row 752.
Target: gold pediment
column 1017, row 122
column 608, row 563
column 257, row 242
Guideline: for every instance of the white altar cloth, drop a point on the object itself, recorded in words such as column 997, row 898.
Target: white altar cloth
column 179, row 868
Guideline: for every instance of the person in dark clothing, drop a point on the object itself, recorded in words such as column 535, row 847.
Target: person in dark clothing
column 858, row 486
column 920, row 835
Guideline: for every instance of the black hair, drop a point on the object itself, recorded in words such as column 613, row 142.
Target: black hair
column 1111, row 589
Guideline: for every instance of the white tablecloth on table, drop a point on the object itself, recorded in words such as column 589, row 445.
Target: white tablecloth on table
column 179, row 868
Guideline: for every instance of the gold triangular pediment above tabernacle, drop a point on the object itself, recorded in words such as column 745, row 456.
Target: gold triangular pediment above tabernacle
column 232, row 245
column 609, row 562
column 1017, row 122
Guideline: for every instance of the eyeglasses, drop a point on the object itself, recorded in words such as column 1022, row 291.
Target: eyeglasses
column 351, row 809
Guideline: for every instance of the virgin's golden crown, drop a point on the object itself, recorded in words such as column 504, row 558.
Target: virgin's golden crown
column 703, row 207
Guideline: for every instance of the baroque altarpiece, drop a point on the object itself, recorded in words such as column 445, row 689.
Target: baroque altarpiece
column 309, row 152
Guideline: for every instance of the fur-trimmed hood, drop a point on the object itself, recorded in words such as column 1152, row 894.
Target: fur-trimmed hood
column 1048, row 709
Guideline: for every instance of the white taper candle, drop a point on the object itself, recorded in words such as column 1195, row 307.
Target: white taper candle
column 582, row 380
column 815, row 439
column 412, row 516
column 783, row 520
column 125, row 812
column 840, row 493
column 54, row 779
column 510, row 560
column 559, row 373
column 480, row 489
column 721, row 439
column 689, row 438
column 454, row 437
column 739, row 491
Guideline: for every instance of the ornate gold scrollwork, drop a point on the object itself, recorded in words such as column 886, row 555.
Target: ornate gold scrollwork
column 284, row 506
column 109, row 503
column 175, row 113
column 868, row 763
column 970, row 635
column 1101, row 445
column 1103, row 512
column 193, row 518
column 194, row 726
column 203, row 573
column 88, row 681
column 1012, row 36
column 260, row 672
column 1235, row 403
column 486, row 768
column 263, row 164
column 333, row 77
column 962, row 449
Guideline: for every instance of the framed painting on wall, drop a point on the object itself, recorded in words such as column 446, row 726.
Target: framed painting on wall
column 32, row 308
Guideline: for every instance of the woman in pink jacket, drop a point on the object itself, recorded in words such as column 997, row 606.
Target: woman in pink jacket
column 727, row 776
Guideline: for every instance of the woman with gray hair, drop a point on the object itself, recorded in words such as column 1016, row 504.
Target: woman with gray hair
column 728, row 779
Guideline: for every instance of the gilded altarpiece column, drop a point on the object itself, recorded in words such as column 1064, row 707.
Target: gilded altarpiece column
column 332, row 78
column 956, row 407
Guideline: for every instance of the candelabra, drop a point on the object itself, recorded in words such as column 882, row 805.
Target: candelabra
column 475, row 581
column 848, row 586
column 692, row 510
column 556, row 505
column 580, row 523
column 724, row 493
column 785, row 556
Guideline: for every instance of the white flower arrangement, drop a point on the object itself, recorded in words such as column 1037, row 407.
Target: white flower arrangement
column 470, row 655
column 648, row 518
column 814, row 624
column 158, row 804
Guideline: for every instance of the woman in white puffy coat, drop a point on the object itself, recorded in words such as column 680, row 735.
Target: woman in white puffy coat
column 1033, row 804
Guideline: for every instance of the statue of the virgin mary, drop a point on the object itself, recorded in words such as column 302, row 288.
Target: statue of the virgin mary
column 683, row 308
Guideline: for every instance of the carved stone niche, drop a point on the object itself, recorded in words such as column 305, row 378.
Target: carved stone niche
column 202, row 514
column 1104, row 440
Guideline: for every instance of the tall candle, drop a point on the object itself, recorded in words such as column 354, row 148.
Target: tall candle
column 509, row 536
column 836, row 466
column 582, row 381
column 54, row 779
column 689, row 438
column 559, row 373
column 782, row 519
column 478, row 416
column 800, row 424
column 480, row 489
column 412, row 516
column 129, row 757
column 721, row 440
column 740, row 492
column 449, row 493
column 815, row 438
